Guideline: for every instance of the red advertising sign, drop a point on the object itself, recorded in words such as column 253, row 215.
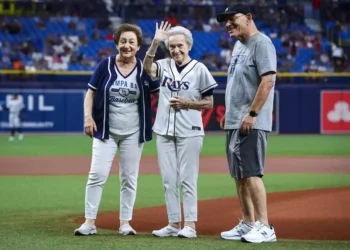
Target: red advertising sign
column 335, row 111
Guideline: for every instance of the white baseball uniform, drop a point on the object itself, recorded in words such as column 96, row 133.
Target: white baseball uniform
column 180, row 134
column 124, row 129
column 15, row 107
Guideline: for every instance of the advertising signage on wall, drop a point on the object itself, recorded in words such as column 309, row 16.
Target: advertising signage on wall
column 46, row 110
column 335, row 111
column 62, row 111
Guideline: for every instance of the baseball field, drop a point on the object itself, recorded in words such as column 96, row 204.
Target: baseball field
column 43, row 178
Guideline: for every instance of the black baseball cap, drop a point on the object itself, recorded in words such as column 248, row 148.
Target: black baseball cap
column 232, row 10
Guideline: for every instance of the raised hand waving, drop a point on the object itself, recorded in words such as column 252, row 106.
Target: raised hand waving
column 162, row 32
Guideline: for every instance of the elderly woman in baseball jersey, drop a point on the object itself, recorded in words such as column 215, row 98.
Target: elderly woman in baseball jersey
column 248, row 120
column 117, row 113
column 186, row 87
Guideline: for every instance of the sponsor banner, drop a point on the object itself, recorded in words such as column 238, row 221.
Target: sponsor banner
column 335, row 111
column 46, row 110
column 62, row 111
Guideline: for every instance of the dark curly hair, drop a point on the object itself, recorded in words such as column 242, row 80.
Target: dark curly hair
column 125, row 28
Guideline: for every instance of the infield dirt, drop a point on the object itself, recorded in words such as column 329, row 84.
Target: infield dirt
column 320, row 214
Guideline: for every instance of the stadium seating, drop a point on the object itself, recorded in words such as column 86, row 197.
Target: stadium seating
column 204, row 41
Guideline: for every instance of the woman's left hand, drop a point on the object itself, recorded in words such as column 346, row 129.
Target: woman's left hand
column 178, row 103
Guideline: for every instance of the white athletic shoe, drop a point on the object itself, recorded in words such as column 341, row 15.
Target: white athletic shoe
column 237, row 232
column 166, row 231
column 11, row 138
column 187, row 232
column 126, row 230
column 260, row 233
column 85, row 229
column 20, row 137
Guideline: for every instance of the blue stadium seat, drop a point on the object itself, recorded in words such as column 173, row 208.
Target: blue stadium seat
column 203, row 41
column 344, row 35
column 330, row 24
column 277, row 43
column 304, row 55
column 325, row 46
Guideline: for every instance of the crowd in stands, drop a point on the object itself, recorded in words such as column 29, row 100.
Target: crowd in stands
column 299, row 48
column 53, row 52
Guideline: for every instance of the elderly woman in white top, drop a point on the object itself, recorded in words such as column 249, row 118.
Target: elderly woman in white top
column 118, row 116
column 186, row 87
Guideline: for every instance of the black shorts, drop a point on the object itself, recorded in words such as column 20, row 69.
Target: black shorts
column 246, row 154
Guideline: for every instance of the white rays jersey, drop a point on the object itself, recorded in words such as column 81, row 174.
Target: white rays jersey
column 194, row 80
column 15, row 106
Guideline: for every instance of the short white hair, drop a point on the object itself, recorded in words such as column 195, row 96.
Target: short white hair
column 179, row 30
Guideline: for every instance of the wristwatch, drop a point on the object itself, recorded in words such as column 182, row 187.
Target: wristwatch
column 253, row 113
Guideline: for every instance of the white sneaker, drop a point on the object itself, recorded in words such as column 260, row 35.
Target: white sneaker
column 260, row 233
column 11, row 138
column 126, row 230
column 187, row 232
column 20, row 137
column 85, row 229
column 166, row 231
column 237, row 232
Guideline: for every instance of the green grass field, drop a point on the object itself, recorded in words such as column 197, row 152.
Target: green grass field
column 38, row 212
column 214, row 145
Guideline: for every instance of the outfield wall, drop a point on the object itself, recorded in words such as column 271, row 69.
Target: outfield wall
column 298, row 108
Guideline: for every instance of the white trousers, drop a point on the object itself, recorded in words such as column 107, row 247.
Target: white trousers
column 103, row 153
column 14, row 121
column 178, row 160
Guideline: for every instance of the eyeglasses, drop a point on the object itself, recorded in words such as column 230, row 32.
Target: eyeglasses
column 231, row 22
column 234, row 19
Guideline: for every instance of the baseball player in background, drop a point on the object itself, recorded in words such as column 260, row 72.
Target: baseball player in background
column 186, row 87
column 248, row 120
column 15, row 105
column 117, row 112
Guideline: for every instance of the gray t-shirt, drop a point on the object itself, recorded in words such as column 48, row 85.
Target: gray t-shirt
column 250, row 60
column 123, row 108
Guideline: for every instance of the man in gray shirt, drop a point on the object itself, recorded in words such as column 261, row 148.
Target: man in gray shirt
column 248, row 120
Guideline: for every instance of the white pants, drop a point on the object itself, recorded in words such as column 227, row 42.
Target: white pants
column 14, row 121
column 103, row 153
column 178, row 160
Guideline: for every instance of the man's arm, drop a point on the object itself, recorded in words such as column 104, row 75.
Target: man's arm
column 266, row 84
column 266, row 62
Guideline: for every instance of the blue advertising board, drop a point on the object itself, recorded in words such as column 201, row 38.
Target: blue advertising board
column 298, row 109
column 46, row 110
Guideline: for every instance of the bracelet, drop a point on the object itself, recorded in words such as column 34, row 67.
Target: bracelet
column 189, row 103
column 150, row 55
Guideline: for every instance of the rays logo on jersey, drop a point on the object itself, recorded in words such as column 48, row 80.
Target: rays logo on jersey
column 124, row 88
column 235, row 60
column 174, row 86
column 124, row 92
